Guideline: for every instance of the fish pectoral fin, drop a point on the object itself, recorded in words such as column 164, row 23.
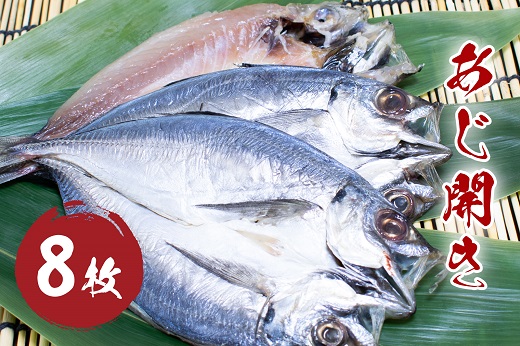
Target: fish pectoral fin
column 292, row 116
column 237, row 274
column 266, row 243
column 264, row 210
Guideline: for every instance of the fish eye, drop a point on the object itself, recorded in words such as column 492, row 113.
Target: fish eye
column 392, row 102
column 329, row 333
column 391, row 225
column 324, row 14
column 402, row 200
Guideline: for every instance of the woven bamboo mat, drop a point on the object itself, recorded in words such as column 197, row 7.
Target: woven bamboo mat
column 18, row 16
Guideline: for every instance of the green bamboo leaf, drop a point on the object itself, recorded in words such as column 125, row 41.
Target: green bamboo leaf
column 430, row 38
column 30, row 115
column 453, row 316
column 502, row 138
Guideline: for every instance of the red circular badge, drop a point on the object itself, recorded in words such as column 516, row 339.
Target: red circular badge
column 79, row 270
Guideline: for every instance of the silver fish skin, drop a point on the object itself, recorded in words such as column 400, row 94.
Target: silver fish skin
column 340, row 114
column 184, row 167
column 313, row 301
column 195, row 304
column 176, row 296
column 373, row 119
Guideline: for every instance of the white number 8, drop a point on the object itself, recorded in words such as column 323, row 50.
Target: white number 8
column 54, row 262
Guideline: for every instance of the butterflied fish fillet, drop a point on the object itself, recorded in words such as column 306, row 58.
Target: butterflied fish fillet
column 254, row 297
column 192, row 169
column 301, row 35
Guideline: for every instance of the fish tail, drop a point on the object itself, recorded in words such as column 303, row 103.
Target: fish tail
column 12, row 165
column 9, row 141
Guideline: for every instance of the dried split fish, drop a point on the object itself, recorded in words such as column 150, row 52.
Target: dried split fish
column 301, row 35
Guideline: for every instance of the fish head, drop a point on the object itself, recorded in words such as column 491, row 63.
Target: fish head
column 411, row 255
column 377, row 45
column 380, row 120
column 411, row 187
column 366, row 230
column 414, row 191
column 327, row 24
column 411, row 198
column 320, row 310
column 367, row 47
column 370, row 50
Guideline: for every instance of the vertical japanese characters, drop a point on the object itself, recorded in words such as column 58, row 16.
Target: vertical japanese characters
column 462, row 252
column 469, row 195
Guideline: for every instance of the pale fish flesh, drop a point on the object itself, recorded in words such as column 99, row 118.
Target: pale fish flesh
column 264, row 303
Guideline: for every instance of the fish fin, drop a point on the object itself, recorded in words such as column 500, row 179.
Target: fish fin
column 246, row 65
column 293, row 118
column 10, row 141
column 234, row 273
column 71, row 191
column 13, row 166
column 75, row 187
column 267, row 243
column 298, row 121
column 264, row 210
column 361, row 279
column 17, row 171
column 113, row 120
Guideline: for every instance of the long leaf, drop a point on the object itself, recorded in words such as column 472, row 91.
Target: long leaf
column 430, row 38
column 501, row 137
column 453, row 316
